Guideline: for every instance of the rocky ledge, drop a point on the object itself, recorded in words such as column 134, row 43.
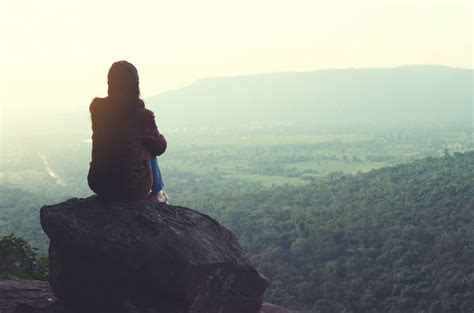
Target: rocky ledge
column 29, row 296
column 145, row 257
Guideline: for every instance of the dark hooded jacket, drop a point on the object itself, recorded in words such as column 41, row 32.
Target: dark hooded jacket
column 124, row 138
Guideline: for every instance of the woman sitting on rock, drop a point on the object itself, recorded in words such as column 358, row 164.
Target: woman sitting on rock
column 125, row 142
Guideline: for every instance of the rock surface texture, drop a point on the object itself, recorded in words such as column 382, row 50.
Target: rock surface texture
column 29, row 296
column 149, row 257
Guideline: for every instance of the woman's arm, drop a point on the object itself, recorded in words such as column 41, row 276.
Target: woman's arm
column 153, row 140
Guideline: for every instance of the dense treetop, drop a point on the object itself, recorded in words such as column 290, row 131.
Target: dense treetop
column 397, row 239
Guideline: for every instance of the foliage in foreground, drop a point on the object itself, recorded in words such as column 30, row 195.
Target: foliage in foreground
column 18, row 260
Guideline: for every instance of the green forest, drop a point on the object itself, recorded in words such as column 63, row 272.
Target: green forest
column 395, row 239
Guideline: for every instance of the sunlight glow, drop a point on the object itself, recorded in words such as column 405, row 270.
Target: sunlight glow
column 55, row 54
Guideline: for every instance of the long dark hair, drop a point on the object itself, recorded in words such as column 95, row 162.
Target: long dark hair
column 124, row 90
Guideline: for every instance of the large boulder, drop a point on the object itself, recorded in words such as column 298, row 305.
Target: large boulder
column 154, row 257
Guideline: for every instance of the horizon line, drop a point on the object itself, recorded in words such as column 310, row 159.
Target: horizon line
column 313, row 71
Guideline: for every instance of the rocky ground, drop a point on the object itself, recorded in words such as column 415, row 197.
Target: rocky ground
column 29, row 296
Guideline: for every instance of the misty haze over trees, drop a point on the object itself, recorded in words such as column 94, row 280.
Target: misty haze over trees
column 351, row 189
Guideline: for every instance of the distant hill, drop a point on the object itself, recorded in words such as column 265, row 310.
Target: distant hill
column 397, row 96
column 402, row 96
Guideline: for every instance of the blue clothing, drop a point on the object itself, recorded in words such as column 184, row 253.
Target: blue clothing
column 158, row 183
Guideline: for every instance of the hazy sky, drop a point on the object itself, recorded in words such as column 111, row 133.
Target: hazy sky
column 56, row 53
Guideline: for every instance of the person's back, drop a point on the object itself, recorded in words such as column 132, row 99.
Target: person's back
column 124, row 139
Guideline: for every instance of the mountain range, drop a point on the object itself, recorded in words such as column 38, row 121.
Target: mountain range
column 379, row 97
column 407, row 95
